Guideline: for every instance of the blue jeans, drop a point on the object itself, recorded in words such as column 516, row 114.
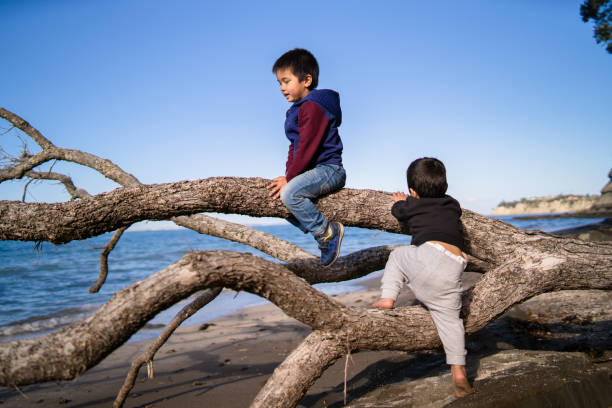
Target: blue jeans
column 298, row 194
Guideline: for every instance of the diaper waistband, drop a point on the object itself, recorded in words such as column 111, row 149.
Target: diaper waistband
column 446, row 252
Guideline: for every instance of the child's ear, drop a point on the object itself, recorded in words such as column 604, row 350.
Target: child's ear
column 414, row 193
column 308, row 80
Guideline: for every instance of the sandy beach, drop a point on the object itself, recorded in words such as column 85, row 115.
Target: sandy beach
column 222, row 364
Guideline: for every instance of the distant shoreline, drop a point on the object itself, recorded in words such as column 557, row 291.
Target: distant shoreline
column 589, row 214
column 572, row 203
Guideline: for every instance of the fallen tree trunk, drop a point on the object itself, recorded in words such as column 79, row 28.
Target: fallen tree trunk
column 518, row 265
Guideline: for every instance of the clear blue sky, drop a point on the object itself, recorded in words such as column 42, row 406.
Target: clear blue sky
column 513, row 96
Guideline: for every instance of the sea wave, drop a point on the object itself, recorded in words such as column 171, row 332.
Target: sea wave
column 37, row 325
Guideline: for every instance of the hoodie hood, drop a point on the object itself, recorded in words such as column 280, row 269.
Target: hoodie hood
column 327, row 99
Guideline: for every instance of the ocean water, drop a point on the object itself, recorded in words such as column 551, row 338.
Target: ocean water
column 45, row 288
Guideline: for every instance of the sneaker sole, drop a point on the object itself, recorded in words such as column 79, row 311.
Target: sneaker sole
column 341, row 233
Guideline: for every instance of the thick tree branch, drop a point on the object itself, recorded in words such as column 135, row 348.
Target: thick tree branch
column 489, row 240
column 352, row 266
column 549, row 264
column 124, row 206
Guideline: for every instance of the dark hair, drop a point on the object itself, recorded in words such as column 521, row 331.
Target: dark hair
column 427, row 176
column 302, row 63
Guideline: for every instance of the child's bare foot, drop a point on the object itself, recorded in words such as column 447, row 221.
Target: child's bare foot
column 460, row 381
column 384, row 304
column 462, row 388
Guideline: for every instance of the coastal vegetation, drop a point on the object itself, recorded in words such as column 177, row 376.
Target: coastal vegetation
column 516, row 265
column 562, row 203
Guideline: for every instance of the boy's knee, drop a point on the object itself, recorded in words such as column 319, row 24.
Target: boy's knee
column 287, row 197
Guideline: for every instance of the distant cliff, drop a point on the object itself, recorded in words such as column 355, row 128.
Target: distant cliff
column 546, row 205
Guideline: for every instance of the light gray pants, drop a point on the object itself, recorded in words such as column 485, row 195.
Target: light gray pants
column 434, row 275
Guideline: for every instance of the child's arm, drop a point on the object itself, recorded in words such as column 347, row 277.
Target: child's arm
column 312, row 125
column 279, row 182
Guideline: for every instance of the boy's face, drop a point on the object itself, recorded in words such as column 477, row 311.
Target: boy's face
column 291, row 86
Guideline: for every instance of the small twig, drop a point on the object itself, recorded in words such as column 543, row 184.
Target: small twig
column 37, row 249
column 87, row 244
column 376, row 234
column 80, row 193
column 110, row 245
column 540, row 232
column 7, row 130
column 186, row 243
column 51, row 167
column 21, row 392
column 62, row 178
column 25, row 189
column 150, row 369
column 348, row 355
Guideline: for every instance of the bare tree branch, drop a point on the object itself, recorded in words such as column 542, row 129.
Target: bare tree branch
column 110, row 245
column 124, row 206
column 63, row 222
column 62, row 178
column 266, row 243
column 25, row 190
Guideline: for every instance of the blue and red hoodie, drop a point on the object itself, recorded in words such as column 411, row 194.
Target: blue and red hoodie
column 312, row 128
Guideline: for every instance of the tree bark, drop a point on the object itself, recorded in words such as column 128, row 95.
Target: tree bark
column 62, row 222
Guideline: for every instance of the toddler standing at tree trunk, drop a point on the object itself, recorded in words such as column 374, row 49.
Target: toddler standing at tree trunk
column 433, row 263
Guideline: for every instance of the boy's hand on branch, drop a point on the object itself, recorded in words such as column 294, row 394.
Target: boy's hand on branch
column 399, row 196
column 277, row 185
